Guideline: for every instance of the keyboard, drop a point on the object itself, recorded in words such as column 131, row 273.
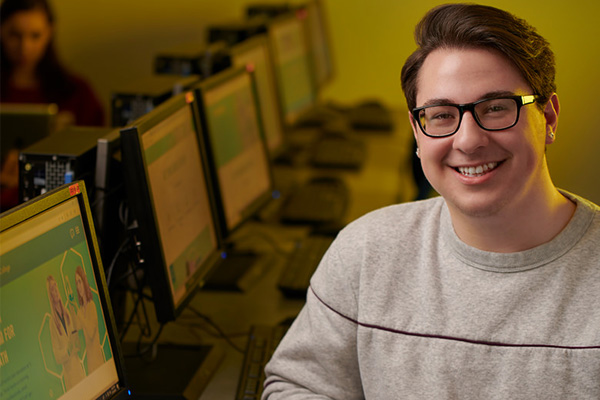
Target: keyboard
column 370, row 116
column 338, row 152
column 318, row 201
column 301, row 265
column 262, row 341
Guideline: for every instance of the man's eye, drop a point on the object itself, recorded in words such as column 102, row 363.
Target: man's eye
column 442, row 116
column 495, row 108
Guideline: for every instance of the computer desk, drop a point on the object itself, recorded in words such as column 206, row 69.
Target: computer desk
column 385, row 179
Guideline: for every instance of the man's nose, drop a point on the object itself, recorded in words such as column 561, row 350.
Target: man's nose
column 470, row 136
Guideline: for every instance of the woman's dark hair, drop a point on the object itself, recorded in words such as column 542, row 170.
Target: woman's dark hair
column 56, row 82
column 477, row 26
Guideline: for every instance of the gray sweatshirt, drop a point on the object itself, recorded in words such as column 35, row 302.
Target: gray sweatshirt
column 401, row 308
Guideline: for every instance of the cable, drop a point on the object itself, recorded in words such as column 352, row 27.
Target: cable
column 106, row 194
column 152, row 345
column 114, row 260
column 146, row 330
column 220, row 332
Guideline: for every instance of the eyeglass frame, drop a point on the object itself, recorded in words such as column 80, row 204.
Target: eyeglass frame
column 520, row 100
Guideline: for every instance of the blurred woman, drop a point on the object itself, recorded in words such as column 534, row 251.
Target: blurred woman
column 31, row 71
column 88, row 321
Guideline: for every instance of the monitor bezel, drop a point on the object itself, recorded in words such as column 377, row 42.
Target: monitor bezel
column 49, row 200
column 209, row 84
column 138, row 193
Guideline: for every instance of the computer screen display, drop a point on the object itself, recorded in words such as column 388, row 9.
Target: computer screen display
column 238, row 152
column 22, row 124
column 320, row 45
column 57, row 337
column 292, row 62
column 255, row 52
column 168, row 192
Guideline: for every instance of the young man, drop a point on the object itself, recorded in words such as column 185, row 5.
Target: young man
column 491, row 290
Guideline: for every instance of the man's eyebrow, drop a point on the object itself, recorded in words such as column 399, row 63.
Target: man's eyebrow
column 489, row 95
column 437, row 102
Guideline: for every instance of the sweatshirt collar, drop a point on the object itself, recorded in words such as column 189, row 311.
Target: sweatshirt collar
column 527, row 259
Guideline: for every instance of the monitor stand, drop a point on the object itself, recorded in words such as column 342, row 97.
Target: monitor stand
column 179, row 372
column 238, row 271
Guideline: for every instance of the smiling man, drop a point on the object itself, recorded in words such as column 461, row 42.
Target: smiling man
column 492, row 289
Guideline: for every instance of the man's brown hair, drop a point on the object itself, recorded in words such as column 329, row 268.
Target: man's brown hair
column 476, row 26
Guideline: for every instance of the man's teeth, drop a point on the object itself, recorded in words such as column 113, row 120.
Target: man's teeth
column 478, row 170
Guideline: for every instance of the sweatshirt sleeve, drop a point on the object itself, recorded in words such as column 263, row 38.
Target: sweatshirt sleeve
column 317, row 359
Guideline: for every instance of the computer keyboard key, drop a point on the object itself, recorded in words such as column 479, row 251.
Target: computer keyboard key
column 335, row 152
column 301, row 265
column 252, row 377
column 319, row 201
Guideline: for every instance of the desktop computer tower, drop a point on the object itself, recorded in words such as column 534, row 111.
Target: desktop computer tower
column 60, row 158
column 270, row 10
column 141, row 96
column 190, row 59
column 237, row 31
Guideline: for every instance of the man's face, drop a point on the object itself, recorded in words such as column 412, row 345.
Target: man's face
column 25, row 37
column 512, row 160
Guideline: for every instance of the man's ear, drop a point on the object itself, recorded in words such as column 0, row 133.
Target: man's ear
column 414, row 126
column 551, row 112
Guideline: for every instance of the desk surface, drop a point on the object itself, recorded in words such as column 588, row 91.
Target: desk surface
column 386, row 178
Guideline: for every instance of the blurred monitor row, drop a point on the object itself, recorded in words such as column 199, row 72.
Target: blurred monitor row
column 298, row 46
column 187, row 162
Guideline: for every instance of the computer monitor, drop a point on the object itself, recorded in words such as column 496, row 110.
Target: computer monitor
column 255, row 52
column 292, row 62
column 58, row 334
column 236, row 148
column 170, row 197
column 22, row 124
column 320, row 43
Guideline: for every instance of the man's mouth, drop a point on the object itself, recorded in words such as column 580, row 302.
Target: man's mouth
column 478, row 170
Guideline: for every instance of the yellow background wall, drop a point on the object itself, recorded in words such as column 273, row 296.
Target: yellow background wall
column 114, row 41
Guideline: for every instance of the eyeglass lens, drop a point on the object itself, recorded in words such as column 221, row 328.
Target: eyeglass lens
column 494, row 114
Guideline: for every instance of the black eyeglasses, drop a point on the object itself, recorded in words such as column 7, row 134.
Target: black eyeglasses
column 497, row 114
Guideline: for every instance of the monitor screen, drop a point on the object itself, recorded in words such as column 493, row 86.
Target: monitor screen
column 170, row 197
column 320, row 45
column 292, row 62
column 238, row 152
column 256, row 53
column 58, row 339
